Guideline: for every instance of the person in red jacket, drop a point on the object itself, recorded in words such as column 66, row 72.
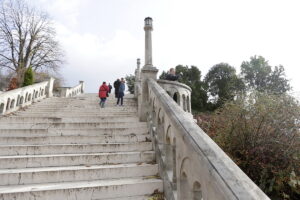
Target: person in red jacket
column 103, row 91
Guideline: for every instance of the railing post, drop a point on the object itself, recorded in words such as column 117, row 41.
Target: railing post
column 50, row 87
column 143, row 104
column 82, row 86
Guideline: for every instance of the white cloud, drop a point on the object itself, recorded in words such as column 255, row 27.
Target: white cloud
column 102, row 39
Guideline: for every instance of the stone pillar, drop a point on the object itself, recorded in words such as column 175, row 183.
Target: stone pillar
column 137, row 78
column 148, row 41
column 50, row 87
column 147, row 72
column 138, row 62
column 82, row 86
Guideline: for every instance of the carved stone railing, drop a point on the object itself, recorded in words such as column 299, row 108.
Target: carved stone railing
column 71, row 91
column 180, row 93
column 191, row 164
column 13, row 100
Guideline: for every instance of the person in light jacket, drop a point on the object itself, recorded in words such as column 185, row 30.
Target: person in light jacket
column 121, row 92
column 103, row 91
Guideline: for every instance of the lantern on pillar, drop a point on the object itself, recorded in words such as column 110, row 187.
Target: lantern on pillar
column 148, row 21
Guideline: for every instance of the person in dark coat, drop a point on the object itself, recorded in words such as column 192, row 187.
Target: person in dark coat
column 171, row 76
column 121, row 92
column 116, row 86
column 110, row 87
column 103, row 90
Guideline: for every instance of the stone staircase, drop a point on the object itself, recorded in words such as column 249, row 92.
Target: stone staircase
column 70, row 148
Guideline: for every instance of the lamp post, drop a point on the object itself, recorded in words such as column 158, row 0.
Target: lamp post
column 147, row 72
column 148, row 42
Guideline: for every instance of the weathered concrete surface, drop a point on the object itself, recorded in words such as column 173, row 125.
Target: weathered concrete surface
column 100, row 189
column 71, row 139
column 13, row 150
column 69, row 148
column 74, row 173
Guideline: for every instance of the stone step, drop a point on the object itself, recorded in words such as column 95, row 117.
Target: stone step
column 83, row 109
column 61, row 115
column 83, row 190
column 14, row 150
column 41, row 132
column 75, row 173
column 69, row 107
column 29, row 119
column 31, row 140
column 80, row 105
column 25, row 161
column 78, row 114
column 74, row 125
column 72, row 112
column 144, row 197
column 85, row 100
column 95, row 106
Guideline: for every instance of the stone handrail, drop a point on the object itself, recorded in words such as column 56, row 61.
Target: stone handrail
column 71, row 91
column 162, row 82
column 13, row 100
column 191, row 164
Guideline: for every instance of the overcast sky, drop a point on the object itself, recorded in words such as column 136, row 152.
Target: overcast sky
column 103, row 38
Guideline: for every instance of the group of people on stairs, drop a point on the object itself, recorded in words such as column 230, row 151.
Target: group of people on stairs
column 105, row 90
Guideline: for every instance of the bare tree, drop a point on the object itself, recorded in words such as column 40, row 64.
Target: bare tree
column 27, row 38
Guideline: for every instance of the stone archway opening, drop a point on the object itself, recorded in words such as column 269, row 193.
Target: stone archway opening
column 185, row 192
column 176, row 97
column 12, row 104
column 197, row 191
column 2, row 108
column 188, row 104
column 183, row 102
column 21, row 100
column 8, row 104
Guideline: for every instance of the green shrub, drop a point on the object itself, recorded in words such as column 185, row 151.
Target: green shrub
column 130, row 79
column 28, row 77
column 260, row 133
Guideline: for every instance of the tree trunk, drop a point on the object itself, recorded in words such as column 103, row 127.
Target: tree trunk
column 20, row 76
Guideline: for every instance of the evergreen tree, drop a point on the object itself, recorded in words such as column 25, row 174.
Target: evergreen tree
column 130, row 79
column 28, row 77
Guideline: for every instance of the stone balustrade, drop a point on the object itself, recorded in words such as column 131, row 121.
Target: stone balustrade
column 71, row 91
column 13, row 100
column 191, row 164
column 181, row 93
